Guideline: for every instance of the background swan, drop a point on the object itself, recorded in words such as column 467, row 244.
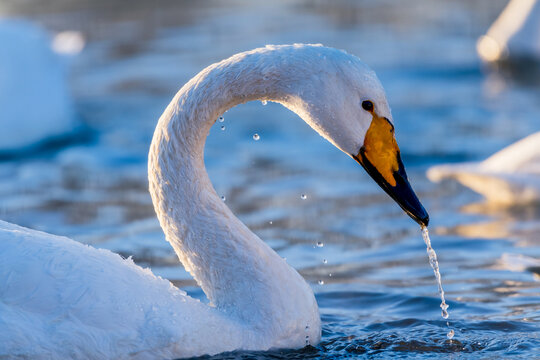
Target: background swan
column 61, row 298
column 515, row 35
column 35, row 103
column 509, row 176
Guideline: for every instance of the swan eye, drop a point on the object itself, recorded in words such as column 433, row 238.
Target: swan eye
column 367, row 105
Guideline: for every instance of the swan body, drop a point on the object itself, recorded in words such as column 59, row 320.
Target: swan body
column 510, row 176
column 59, row 298
column 62, row 299
column 35, row 104
column 515, row 35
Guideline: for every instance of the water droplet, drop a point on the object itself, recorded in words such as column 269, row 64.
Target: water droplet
column 444, row 307
column 270, row 222
column 303, row 196
column 321, row 282
column 450, row 334
column 221, row 119
column 330, row 275
column 256, row 137
column 223, row 127
column 264, row 102
column 320, row 244
column 325, row 261
column 223, row 198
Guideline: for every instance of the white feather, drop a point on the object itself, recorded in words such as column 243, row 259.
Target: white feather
column 61, row 299
column 35, row 104
column 510, row 176
column 515, row 34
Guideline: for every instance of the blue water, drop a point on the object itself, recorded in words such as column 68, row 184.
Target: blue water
column 376, row 291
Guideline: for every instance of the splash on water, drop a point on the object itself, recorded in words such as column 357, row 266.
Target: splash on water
column 435, row 266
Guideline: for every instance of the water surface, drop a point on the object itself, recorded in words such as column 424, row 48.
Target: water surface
column 376, row 291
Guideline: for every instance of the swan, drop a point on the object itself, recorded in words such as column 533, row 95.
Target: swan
column 514, row 36
column 35, row 103
column 60, row 298
column 510, row 176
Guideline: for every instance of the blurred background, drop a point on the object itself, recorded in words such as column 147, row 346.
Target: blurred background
column 82, row 84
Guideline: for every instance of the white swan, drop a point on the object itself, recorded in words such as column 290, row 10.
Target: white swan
column 35, row 104
column 62, row 299
column 515, row 35
column 509, row 176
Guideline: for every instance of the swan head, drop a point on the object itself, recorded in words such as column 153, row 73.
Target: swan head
column 346, row 104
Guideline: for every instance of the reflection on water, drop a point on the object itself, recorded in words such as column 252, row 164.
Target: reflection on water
column 373, row 284
column 520, row 223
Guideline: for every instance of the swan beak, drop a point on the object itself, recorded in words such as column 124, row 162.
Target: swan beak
column 380, row 157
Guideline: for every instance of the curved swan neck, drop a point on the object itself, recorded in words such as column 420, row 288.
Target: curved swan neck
column 239, row 79
column 238, row 272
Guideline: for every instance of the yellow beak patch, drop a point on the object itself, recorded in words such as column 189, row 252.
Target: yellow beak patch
column 381, row 149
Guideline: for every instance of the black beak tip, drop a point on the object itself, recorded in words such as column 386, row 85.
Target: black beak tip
column 423, row 220
column 415, row 210
column 417, row 213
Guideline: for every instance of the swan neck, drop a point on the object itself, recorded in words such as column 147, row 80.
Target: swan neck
column 238, row 272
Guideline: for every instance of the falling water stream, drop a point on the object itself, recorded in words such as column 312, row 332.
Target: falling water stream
column 435, row 266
